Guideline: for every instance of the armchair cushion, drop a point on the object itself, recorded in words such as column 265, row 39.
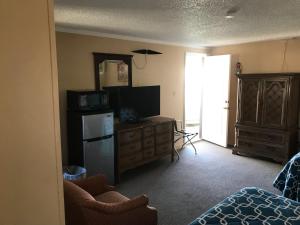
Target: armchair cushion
column 123, row 205
column 111, row 197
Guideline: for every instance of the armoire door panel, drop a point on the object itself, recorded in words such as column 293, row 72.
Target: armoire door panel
column 249, row 101
column 274, row 107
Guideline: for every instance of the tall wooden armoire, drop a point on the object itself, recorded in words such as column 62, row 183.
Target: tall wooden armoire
column 267, row 115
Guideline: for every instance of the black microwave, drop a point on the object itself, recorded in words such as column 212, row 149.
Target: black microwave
column 87, row 100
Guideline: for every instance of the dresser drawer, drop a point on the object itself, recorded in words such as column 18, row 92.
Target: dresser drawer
column 148, row 131
column 164, row 128
column 149, row 153
column 261, row 149
column 128, row 149
column 163, row 138
column 131, row 160
column 148, row 142
column 165, row 148
column 129, row 136
column 261, row 135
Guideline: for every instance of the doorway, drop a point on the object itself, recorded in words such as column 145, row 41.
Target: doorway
column 207, row 89
column 194, row 69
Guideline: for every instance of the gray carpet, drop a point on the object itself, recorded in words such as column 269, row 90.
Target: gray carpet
column 183, row 190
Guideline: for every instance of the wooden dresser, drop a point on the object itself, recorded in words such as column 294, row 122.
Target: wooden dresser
column 137, row 144
column 267, row 115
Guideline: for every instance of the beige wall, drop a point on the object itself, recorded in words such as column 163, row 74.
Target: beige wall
column 76, row 71
column 31, row 181
column 260, row 57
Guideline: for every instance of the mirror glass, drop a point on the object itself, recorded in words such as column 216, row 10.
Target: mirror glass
column 113, row 73
column 112, row 70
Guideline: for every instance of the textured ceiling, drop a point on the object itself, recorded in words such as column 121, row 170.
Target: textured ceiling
column 197, row 23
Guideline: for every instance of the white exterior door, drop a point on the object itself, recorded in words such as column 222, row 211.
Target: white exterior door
column 215, row 99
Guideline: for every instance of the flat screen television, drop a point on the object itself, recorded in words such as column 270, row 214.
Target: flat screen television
column 137, row 103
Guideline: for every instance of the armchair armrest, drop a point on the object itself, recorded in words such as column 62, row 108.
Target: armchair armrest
column 94, row 185
column 117, row 208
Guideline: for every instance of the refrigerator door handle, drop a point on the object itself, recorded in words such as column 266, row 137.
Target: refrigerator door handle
column 98, row 138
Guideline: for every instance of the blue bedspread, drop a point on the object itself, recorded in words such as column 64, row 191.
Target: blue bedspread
column 252, row 206
column 288, row 180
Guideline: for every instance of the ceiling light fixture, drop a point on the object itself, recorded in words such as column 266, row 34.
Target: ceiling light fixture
column 230, row 13
column 229, row 17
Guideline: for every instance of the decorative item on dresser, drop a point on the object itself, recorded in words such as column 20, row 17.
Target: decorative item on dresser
column 144, row 142
column 267, row 115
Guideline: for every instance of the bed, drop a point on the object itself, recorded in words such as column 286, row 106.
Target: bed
column 288, row 180
column 252, row 206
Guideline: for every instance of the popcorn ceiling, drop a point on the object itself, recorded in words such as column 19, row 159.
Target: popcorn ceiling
column 198, row 23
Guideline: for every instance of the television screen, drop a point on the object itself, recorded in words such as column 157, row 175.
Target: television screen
column 136, row 103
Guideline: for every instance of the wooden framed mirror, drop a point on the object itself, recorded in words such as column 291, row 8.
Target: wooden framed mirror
column 112, row 70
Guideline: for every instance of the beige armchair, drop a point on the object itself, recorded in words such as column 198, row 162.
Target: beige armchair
column 92, row 202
